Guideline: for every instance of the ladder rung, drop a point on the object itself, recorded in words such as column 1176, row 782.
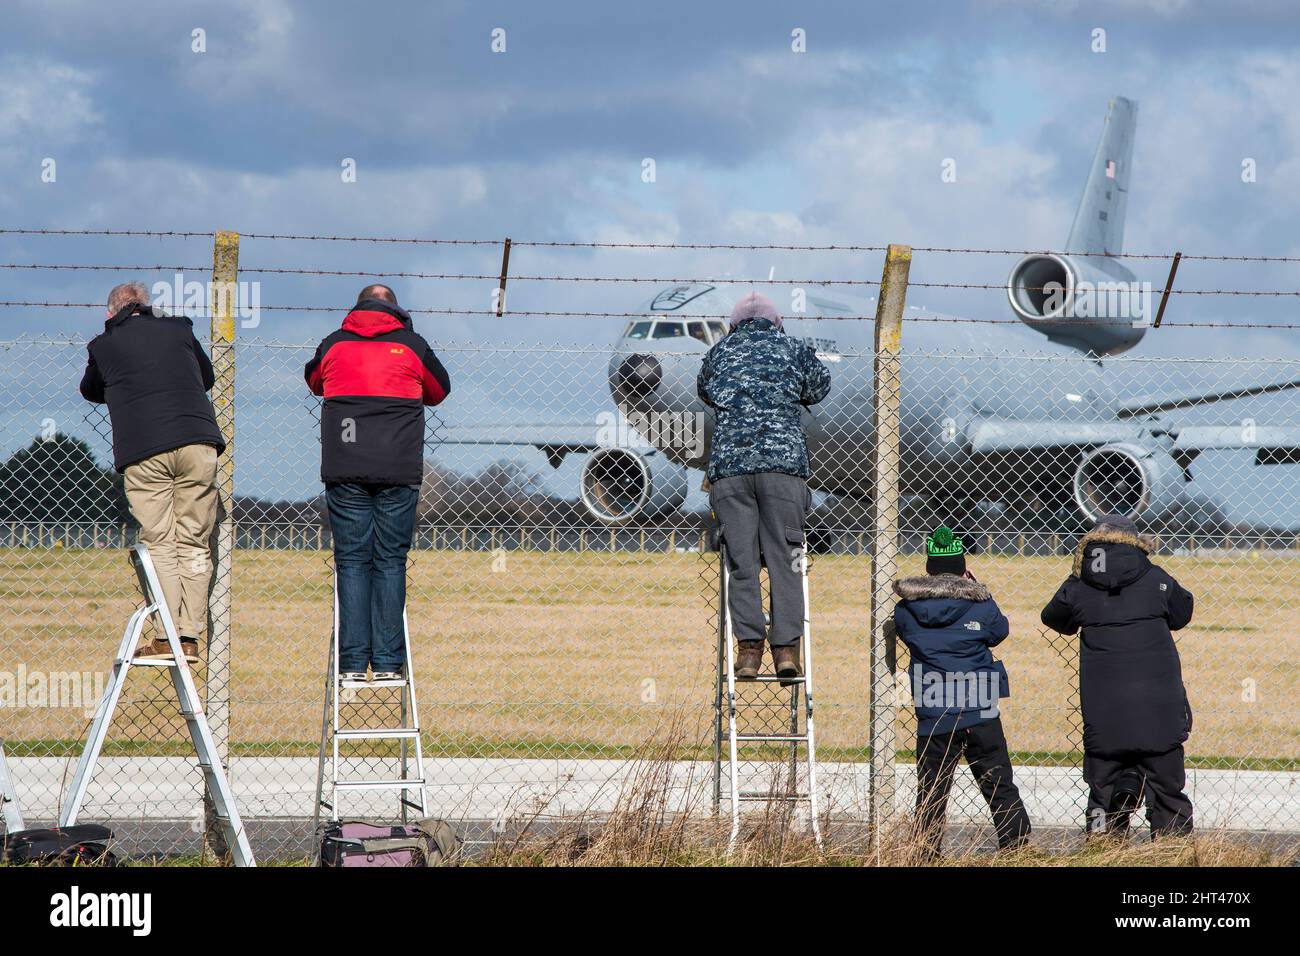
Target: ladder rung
column 399, row 784
column 397, row 733
column 769, row 679
column 772, row 738
column 788, row 797
column 363, row 684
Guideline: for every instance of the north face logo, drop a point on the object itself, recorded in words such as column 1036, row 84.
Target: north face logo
column 1164, row 587
column 972, row 625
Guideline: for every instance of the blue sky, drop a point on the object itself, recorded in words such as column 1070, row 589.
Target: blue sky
column 753, row 143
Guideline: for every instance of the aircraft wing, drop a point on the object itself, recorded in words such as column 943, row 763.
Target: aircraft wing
column 574, row 437
column 1272, row 444
column 989, row 436
column 1155, row 404
column 555, row 439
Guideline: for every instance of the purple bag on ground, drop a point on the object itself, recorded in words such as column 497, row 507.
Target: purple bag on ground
column 428, row 842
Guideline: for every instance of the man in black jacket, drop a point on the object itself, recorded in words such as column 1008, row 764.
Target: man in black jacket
column 376, row 375
column 1135, row 710
column 154, row 376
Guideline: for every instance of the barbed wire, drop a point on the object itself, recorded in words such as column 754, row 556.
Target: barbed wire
column 658, row 280
column 704, row 316
column 171, row 233
column 576, row 244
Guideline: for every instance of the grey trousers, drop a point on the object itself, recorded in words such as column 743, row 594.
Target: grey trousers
column 762, row 517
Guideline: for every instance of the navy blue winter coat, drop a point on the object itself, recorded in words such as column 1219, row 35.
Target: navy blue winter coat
column 949, row 624
column 1130, row 676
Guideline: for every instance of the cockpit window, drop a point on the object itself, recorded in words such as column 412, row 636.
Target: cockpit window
column 719, row 330
column 637, row 330
column 696, row 330
column 669, row 330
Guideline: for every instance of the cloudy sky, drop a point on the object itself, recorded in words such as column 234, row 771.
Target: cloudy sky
column 752, row 143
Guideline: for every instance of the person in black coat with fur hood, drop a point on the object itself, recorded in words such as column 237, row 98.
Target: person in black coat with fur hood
column 1135, row 710
column 950, row 623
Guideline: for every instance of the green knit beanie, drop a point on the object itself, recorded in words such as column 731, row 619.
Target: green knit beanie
column 945, row 553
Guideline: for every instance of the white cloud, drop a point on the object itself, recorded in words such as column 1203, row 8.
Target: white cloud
column 45, row 103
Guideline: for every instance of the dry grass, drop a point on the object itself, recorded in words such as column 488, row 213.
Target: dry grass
column 641, row 831
column 584, row 653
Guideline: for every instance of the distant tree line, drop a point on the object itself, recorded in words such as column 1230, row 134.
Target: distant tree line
column 58, row 480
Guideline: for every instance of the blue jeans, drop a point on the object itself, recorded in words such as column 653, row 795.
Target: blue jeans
column 372, row 527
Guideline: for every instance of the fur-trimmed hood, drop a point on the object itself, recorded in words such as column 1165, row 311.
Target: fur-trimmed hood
column 1109, row 534
column 949, row 586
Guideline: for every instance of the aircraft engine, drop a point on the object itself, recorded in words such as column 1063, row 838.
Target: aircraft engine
column 618, row 484
column 1127, row 479
column 1088, row 302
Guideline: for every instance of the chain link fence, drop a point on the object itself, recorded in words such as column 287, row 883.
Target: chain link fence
column 552, row 645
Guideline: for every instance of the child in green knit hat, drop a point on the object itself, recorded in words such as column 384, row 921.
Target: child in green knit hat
column 950, row 623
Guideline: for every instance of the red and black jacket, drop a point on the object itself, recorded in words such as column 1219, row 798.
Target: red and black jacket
column 376, row 374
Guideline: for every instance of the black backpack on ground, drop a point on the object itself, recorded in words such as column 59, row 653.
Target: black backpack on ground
column 351, row 843
column 86, row 844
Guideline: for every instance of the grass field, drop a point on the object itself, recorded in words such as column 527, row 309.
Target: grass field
column 587, row 654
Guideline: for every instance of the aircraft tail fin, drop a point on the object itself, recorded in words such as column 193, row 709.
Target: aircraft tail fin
column 1099, row 222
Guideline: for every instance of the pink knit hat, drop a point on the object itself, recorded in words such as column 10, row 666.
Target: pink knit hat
column 755, row 306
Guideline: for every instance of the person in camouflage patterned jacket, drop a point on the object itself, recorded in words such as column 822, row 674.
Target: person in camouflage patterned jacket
column 757, row 380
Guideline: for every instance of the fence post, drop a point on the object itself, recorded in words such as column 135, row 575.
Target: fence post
column 225, row 275
column 884, row 552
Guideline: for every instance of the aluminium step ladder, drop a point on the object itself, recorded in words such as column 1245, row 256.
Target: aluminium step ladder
column 728, row 740
column 412, row 788
column 214, row 775
column 13, row 810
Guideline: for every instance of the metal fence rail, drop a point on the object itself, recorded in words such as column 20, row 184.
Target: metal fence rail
column 550, row 647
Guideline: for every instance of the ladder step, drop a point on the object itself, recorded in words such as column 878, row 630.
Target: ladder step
column 769, row 679
column 787, row 797
column 363, row 684
column 772, row 738
column 409, row 784
column 396, row 733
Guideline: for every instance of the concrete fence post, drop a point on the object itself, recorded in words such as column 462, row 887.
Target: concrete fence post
column 225, row 277
column 884, row 552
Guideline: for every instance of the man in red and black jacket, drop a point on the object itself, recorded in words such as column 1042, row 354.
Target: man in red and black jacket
column 376, row 375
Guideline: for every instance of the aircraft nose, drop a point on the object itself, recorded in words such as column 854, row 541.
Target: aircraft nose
column 636, row 378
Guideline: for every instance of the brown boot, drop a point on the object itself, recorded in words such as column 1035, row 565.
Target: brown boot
column 160, row 650
column 749, row 659
column 785, row 659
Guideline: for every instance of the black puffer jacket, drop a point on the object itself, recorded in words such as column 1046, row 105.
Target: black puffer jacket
column 154, row 376
column 1130, row 676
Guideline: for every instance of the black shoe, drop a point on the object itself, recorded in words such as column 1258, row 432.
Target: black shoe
column 1124, row 800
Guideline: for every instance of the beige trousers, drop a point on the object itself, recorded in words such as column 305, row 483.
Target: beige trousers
column 174, row 497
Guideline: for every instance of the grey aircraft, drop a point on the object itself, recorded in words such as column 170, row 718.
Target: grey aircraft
column 1034, row 425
